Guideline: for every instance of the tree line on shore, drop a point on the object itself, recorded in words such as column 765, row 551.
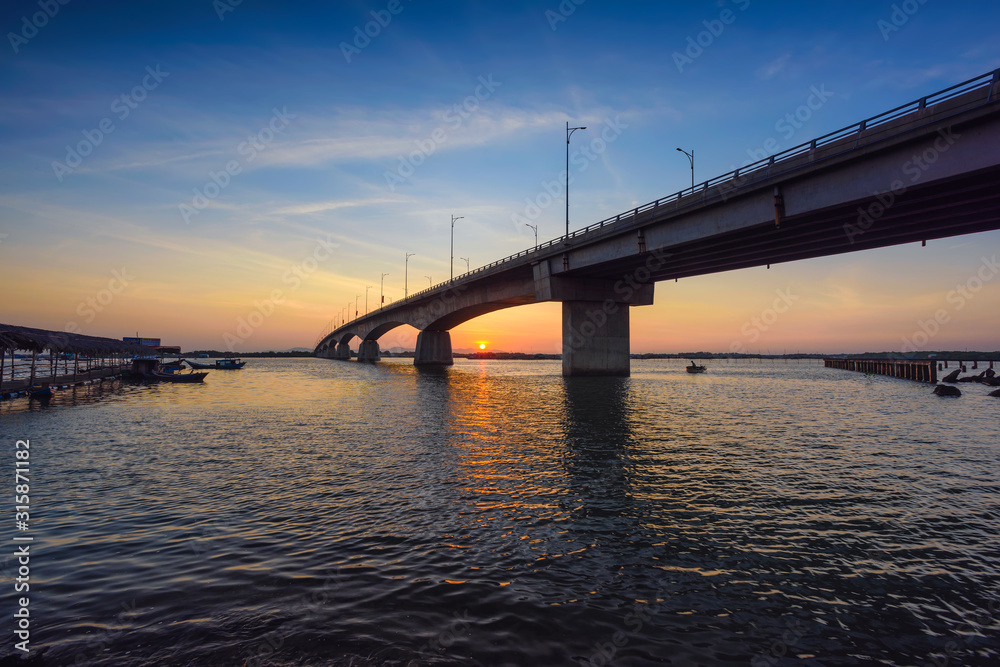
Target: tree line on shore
column 913, row 356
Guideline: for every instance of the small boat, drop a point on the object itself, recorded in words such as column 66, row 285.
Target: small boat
column 227, row 364
column 157, row 376
column 695, row 368
column 40, row 391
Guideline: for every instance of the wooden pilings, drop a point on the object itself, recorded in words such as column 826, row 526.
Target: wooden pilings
column 924, row 370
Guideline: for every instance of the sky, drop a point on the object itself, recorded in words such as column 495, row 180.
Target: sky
column 239, row 174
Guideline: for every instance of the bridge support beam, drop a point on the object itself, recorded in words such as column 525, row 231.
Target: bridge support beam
column 595, row 339
column 343, row 352
column 433, row 349
column 368, row 351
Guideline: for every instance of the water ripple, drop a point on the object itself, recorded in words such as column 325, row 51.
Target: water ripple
column 308, row 512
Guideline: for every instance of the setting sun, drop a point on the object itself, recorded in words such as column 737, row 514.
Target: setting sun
column 482, row 346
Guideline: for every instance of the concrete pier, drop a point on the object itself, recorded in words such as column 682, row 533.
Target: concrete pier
column 595, row 339
column 433, row 349
column 369, row 351
column 343, row 352
column 924, row 370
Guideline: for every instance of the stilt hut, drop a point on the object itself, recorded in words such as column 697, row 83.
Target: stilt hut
column 70, row 358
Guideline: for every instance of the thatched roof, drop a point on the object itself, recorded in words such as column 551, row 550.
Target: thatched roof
column 36, row 340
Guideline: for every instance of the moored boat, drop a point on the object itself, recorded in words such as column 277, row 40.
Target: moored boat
column 41, row 391
column 227, row 364
column 695, row 368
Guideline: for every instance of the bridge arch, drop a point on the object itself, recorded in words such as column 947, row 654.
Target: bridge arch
column 382, row 329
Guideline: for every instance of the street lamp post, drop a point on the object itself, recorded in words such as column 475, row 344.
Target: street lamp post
column 535, row 228
column 691, row 158
column 381, row 290
column 429, row 283
column 453, row 219
column 406, row 274
column 356, row 306
column 367, row 287
column 466, row 263
column 569, row 133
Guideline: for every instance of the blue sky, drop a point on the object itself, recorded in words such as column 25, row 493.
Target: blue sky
column 307, row 144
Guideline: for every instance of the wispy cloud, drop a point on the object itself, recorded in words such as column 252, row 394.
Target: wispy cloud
column 775, row 67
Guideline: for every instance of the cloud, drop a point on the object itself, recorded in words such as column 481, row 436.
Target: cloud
column 346, row 135
column 775, row 67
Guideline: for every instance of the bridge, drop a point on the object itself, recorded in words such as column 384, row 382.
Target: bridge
column 924, row 170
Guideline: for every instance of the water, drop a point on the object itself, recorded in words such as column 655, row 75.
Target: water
column 313, row 512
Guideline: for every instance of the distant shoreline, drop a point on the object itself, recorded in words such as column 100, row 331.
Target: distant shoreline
column 943, row 355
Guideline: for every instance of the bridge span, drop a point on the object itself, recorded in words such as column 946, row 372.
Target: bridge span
column 925, row 170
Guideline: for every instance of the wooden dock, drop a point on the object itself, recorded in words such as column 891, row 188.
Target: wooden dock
column 923, row 370
column 81, row 359
column 12, row 387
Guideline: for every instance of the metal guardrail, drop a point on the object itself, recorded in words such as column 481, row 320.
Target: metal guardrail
column 750, row 174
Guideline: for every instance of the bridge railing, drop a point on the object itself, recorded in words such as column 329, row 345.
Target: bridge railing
column 877, row 128
column 987, row 83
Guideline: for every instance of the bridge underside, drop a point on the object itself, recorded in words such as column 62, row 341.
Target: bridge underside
column 961, row 205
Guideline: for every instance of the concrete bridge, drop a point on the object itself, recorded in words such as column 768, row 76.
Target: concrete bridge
column 925, row 170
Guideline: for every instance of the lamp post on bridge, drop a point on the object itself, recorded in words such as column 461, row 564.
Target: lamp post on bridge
column 691, row 158
column 466, row 263
column 406, row 274
column 367, row 287
column 453, row 219
column 535, row 228
column 569, row 133
column 356, row 306
column 381, row 290
column 429, row 283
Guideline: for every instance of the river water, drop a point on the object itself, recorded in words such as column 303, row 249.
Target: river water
column 315, row 512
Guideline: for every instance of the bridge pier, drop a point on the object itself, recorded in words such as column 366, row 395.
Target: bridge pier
column 595, row 316
column 343, row 352
column 595, row 339
column 369, row 351
column 433, row 349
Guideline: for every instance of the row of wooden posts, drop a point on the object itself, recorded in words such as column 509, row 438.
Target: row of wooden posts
column 922, row 370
